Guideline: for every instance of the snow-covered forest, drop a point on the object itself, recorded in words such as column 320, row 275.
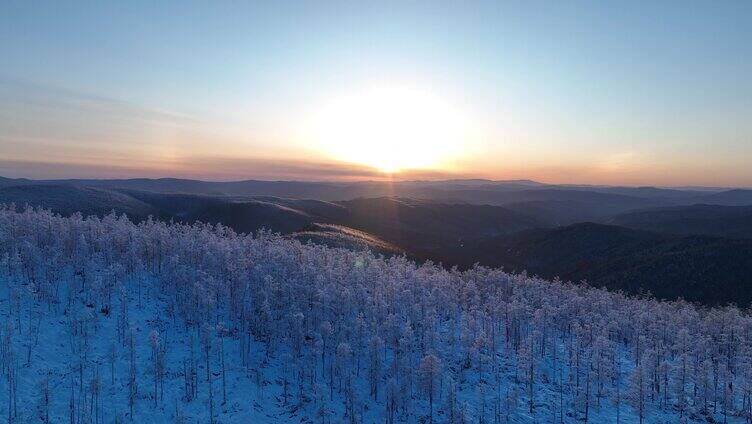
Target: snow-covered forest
column 107, row 321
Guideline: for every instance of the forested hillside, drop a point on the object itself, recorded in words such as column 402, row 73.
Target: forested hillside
column 707, row 270
column 711, row 220
column 108, row 321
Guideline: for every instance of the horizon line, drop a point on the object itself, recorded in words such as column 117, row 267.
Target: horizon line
column 390, row 180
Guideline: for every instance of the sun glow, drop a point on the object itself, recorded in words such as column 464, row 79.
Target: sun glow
column 390, row 128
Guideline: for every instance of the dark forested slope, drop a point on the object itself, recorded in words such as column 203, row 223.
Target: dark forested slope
column 66, row 200
column 709, row 270
column 712, row 220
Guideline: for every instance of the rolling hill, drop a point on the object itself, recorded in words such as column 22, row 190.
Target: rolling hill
column 709, row 270
column 414, row 225
column 693, row 251
column 66, row 200
column 735, row 197
column 711, row 220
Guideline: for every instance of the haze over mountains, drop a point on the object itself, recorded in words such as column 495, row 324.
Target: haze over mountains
column 691, row 243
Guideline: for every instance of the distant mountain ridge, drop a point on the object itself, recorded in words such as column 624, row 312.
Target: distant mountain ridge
column 351, row 190
column 554, row 204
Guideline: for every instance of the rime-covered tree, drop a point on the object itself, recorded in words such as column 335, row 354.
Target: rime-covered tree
column 345, row 335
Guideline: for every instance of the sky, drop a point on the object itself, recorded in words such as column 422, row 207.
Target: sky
column 628, row 93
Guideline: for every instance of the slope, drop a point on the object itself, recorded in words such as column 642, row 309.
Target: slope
column 703, row 269
column 711, row 220
column 67, row 200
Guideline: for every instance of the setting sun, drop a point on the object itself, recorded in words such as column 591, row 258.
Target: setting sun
column 390, row 128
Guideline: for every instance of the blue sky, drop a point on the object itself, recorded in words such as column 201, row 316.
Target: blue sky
column 589, row 92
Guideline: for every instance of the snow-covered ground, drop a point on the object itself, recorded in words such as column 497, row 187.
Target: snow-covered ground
column 53, row 358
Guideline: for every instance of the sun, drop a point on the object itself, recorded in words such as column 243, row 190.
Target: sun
column 390, row 128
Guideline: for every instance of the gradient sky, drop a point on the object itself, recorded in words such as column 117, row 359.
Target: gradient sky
column 655, row 92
